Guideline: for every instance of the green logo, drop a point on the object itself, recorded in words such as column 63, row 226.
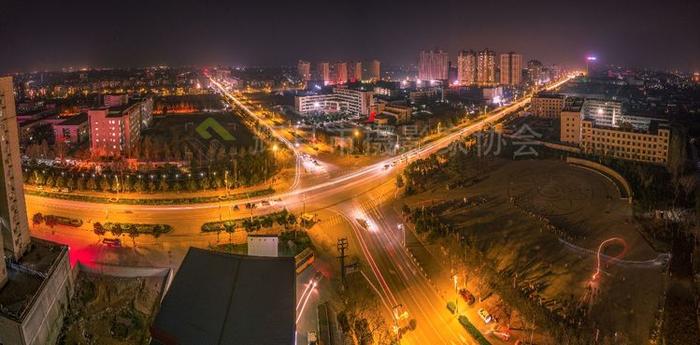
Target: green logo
column 211, row 123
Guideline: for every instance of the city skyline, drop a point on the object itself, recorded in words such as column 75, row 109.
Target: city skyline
column 208, row 35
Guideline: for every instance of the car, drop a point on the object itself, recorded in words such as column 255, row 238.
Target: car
column 501, row 332
column 112, row 242
column 363, row 223
column 467, row 296
column 484, row 315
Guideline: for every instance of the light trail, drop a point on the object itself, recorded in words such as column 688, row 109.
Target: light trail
column 605, row 244
column 306, row 300
column 309, row 287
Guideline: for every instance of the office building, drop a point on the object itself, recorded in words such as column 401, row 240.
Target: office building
column 535, row 72
column 374, row 70
column 36, row 287
column 486, row 68
column 547, row 105
column 356, row 71
column 115, row 131
column 304, row 70
column 511, row 65
column 466, row 67
column 324, row 72
column 341, row 73
column 602, row 112
column 341, row 100
column 433, row 65
column 648, row 146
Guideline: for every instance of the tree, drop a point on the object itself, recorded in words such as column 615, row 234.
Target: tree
column 177, row 186
column 133, row 232
column 399, row 181
column 164, row 187
column 37, row 218
column 152, row 187
column 91, row 183
column 230, row 228
column 191, row 185
column 104, row 184
column 98, row 229
column 117, row 230
column 291, row 219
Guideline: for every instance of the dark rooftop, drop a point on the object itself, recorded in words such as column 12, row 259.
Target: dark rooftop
column 549, row 95
column 27, row 276
column 218, row 298
column 75, row 120
column 573, row 104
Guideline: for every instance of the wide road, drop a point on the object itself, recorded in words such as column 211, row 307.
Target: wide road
column 397, row 278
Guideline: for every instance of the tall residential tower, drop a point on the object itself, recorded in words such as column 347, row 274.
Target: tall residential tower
column 433, row 65
column 486, row 68
column 466, row 67
column 13, row 212
column 511, row 68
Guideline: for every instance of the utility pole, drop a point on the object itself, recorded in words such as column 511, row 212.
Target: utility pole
column 342, row 246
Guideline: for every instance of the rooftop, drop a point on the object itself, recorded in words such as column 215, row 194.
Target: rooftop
column 75, row 120
column 220, row 298
column 27, row 276
column 549, row 95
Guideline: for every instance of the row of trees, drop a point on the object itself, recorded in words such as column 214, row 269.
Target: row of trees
column 246, row 171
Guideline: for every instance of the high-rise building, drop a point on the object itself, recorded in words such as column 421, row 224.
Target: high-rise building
column 356, row 73
column 37, row 286
column 375, row 70
column 511, row 68
column 324, row 72
column 13, row 212
column 535, row 71
column 433, row 65
column 304, row 70
column 341, row 72
column 486, row 68
column 466, row 67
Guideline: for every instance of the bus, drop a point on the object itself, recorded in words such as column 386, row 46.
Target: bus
column 304, row 259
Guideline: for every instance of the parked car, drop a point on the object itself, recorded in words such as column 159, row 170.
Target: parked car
column 484, row 315
column 501, row 332
column 112, row 242
column 467, row 296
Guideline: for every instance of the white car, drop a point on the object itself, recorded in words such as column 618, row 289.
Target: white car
column 484, row 315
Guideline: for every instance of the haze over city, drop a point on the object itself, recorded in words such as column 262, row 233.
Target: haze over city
column 51, row 35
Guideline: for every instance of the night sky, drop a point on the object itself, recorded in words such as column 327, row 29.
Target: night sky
column 52, row 34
